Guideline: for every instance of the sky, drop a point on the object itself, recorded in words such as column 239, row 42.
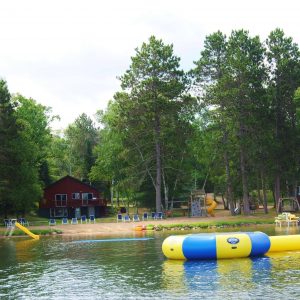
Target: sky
column 67, row 55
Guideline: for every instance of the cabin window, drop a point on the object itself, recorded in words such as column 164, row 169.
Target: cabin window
column 87, row 196
column 60, row 200
column 60, row 197
column 75, row 196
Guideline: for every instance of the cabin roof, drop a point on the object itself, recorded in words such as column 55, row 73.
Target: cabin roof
column 71, row 178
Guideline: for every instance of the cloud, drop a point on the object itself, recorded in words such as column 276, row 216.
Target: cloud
column 67, row 54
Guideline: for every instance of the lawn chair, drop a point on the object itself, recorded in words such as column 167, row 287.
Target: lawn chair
column 286, row 219
column 119, row 218
column 153, row 215
column 83, row 219
column 64, row 221
column 126, row 218
column 8, row 223
column 23, row 222
column 145, row 216
column 293, row 220
column 74, row 221
column 135, row 218
column 159, row 215
column 92, row 219
column 52, row 222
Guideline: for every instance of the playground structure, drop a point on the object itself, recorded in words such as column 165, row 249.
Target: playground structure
column 211, row 205
column 201, row 204
column 27, row 231
column 227, row 245
column 289, row 204
column 24, row 229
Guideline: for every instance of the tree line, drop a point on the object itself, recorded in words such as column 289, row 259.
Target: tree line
column 229, row 125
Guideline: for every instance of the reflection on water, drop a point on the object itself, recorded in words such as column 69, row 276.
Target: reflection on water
column 210, row 276
column 242, row 278
column 56, row 268
column 286, row 230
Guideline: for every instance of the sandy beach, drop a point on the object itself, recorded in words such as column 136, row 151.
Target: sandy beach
column 102, row 227
column 126, row 227
column 114, row 227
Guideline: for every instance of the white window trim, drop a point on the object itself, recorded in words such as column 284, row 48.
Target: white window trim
column 77, row 196
column 87, row 196
column 57, row 202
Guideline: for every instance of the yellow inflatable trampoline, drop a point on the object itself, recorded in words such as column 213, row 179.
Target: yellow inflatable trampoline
column 227, row 245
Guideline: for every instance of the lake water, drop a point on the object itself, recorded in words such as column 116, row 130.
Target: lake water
column 63, row 268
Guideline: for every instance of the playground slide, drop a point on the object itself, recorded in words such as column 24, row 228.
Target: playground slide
column 24, row 229
column 211, row 205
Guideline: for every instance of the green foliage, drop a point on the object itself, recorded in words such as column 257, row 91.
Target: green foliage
column 239, row 135
column 26, row 135
column 32, row 144
column 216, row 224
column 58, row 158
column 284, row 68
column 140, row 143
column 8, row 151
column 248, row 88
column 81, row 138
column 36, row 231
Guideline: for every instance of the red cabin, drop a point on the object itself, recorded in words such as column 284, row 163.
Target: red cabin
column 71, row 198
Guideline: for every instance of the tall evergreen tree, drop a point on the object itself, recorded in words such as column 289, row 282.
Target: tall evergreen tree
column 284, row 67
column 152, row 99
column 8, row 133
column 247, row 75
column 209, row 75
column 81, row 137
column 231, row 75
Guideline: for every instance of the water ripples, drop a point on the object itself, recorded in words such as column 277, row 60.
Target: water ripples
column 56, row 268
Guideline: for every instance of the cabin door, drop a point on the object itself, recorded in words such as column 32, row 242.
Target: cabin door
column 77, row 213
column 91, row 211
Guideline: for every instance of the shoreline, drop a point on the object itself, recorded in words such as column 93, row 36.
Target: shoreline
column 109, row 227
column 114, row 228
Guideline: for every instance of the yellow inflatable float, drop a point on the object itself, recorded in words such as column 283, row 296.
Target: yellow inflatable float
column 227, row 245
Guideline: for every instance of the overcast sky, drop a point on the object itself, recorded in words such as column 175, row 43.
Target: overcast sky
column 67, row 54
